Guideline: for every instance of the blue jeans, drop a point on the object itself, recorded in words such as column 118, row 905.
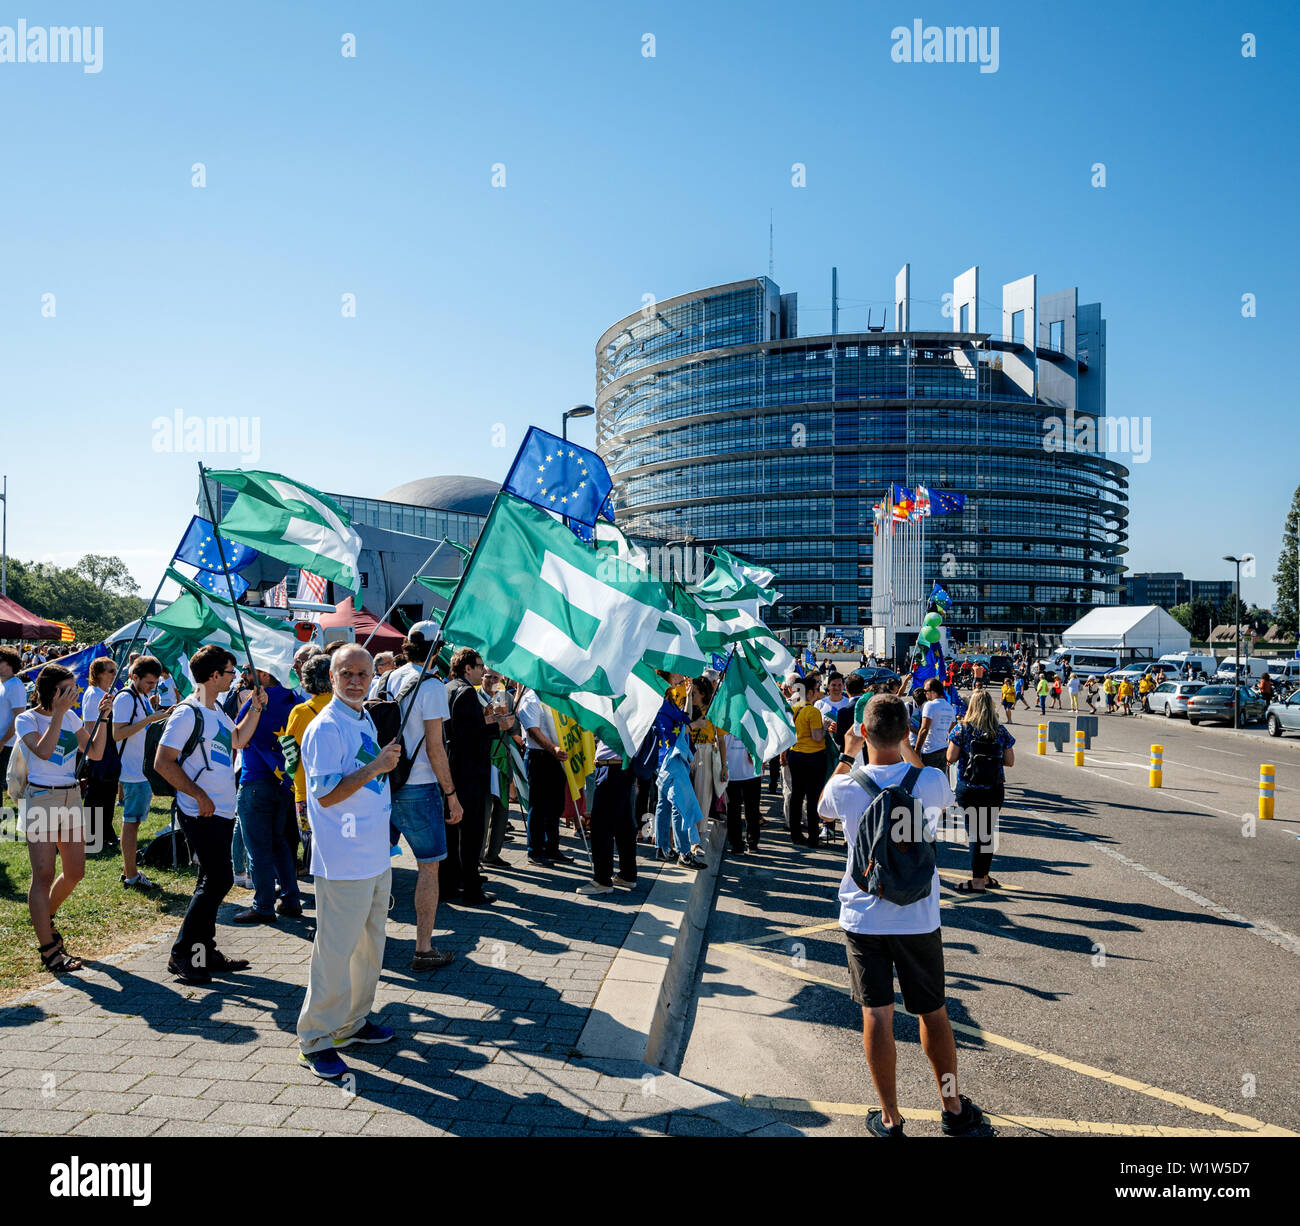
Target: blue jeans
column 241, row 861
column 417, row 814
column 265, row 811
column 677, row 805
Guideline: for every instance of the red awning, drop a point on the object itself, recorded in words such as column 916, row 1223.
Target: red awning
column 17, row 623
column 387, row 638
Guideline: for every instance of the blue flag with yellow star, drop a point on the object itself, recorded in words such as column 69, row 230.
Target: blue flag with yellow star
column 562, row 477
column 198, row 547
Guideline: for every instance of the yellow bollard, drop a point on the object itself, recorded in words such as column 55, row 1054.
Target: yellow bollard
column 1078, row 747
column 1042, row 738
column 1266, row 772
column 1155, row 777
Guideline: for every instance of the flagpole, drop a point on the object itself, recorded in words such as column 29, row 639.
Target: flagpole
column 225, row 570
column 407, row 588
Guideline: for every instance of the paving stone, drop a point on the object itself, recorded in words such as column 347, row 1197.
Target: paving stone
column 187, row 1087
column 19, row 1058
column 192, row 1128
column 146, row 1065
column 329, row 1120
column 240, row 1091
column 111, row 1103
column 253, row 1115
column 258, row 1131
column 684, row 1124
column 98, row 1081
column 222, row 1070
column 170, row 1107
column 117, row 1126
column 319, row 1094
column 41, row 1121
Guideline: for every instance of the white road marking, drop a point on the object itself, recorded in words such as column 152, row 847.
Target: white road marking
column 1261, row 928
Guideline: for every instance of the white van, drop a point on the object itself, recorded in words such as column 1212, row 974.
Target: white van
column 1086, row 661
column 1251, row 669
column 1180, row 663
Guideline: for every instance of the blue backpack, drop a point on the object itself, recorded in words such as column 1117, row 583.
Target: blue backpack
column 892, row 859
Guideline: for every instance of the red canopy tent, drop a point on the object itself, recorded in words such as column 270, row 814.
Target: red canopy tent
column 387, row 638
column 17, row 623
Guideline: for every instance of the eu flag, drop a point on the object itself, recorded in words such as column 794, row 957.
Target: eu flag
column 216, row 583
column 560, row 476
column 942, row 503
column 940, row 598
column 78, row 663
column 198, row 547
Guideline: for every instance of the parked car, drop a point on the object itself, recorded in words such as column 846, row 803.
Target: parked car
column 1248, row 670
column 1170, row 698
column 1000, row 668
column 1217, row 702
column 872, row 674
column 1284, row 716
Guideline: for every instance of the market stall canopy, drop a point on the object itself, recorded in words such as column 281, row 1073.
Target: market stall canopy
column 17, row 623
column 387, row 638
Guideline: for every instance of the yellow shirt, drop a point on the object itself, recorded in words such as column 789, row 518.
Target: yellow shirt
column 296, row 727
column 807, row 720
column 1008, row 692
column 1146, row 685
column 704, row 736
column 1126, row 689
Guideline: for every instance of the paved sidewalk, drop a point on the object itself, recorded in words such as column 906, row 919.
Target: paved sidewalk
column 482, row 1048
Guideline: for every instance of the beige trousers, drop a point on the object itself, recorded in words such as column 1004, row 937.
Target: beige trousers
column 346, row 959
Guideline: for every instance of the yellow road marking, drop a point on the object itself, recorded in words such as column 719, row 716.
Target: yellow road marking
column 1026, row 1049
column 761, row 1102
column 781, row 936
column 956, row 872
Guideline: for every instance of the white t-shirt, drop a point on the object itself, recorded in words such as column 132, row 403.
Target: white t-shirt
column 532, row 714
column 132, row 749
column 168, row 694
column 349, row 840
column 216, row 774
column 13, row 699
column 60, row 769
column 740, row 766
column 844, row 799
column 431, row 703
column 90, row 704
column 1072, row 686
column 833, row 710
column 941, row 714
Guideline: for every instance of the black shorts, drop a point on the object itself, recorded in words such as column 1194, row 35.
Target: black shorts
column 918, row 959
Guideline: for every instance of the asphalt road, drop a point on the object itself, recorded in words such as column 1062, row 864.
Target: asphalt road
column 1138, row 974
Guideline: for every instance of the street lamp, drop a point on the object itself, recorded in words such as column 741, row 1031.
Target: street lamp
column 1039, row 614
column 4, row 542
column 578, row 410
column 1236, row 617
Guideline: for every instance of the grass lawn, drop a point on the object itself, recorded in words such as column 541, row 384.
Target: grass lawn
column 100, row 917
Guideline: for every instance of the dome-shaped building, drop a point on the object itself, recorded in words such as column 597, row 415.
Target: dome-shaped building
column 468, row 495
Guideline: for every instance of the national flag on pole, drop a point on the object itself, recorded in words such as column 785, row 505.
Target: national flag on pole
column 940, row 597
column 277, row 597
column 587, row 637
column 749, row 705
column 294, row 523
column 198, row 617
column 198, row 548
column 78, row 662
column 310, row 587
column 922, row 507
column 900, row 502
column 944, row 503
column 560, row 476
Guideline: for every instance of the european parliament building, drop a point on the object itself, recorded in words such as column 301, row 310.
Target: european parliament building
column 722, row 425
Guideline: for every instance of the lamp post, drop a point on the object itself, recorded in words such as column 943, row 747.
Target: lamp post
column 4, row 541
column 578, row 410
column 1236, row 617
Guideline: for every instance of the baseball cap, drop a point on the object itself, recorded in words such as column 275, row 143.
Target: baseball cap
column 426, row 630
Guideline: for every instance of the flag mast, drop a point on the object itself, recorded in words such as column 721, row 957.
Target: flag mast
column 225, row 570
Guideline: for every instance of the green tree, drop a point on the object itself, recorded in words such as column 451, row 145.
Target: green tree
column 1230, row 612
column 109, row 574
column 1285, row 575
column 68, row 596
column 1182, row 614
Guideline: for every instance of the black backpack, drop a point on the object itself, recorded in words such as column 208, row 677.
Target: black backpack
column 386, row 713
column 108, row 767
column 983, row 765
column 153, row 734
column 892, row 858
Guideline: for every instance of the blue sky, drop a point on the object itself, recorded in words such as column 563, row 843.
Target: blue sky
column 625, row 175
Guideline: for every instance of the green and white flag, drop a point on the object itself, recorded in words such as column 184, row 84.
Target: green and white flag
column 294, row 523
column 732, row 579
column 749, row 705
column 198, row 617
column 720, row 622
column 544, row 608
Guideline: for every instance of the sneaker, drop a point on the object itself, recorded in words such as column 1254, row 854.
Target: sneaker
column 668, row 857
column 139, row 882
column 877, row 1127
column 963, row 1122
column 690, row 862
column 371, row 1032
column 432, row 959
column 594, row 887
column 249, row 916
column 188, row 974
column 243, row 881
column 625, row 882
column 327, row 1064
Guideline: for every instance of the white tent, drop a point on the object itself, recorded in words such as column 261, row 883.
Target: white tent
column 1141, row 629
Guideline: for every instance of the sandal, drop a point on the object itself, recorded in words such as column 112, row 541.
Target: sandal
column 967, row 887
column 992, row 883
column 55, row 960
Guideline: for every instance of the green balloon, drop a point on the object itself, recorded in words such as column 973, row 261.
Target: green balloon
column 933, row 619
column 930, row 634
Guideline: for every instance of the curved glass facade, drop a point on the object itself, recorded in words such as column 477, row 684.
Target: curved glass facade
column 718, row 423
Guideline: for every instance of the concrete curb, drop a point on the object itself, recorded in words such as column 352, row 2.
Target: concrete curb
column 638, row 1017
column 1291, row 744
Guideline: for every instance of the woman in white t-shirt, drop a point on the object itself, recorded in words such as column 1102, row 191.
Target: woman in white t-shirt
column 52, row 735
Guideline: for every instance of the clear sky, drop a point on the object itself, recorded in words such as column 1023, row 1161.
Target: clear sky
column 624, row 175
